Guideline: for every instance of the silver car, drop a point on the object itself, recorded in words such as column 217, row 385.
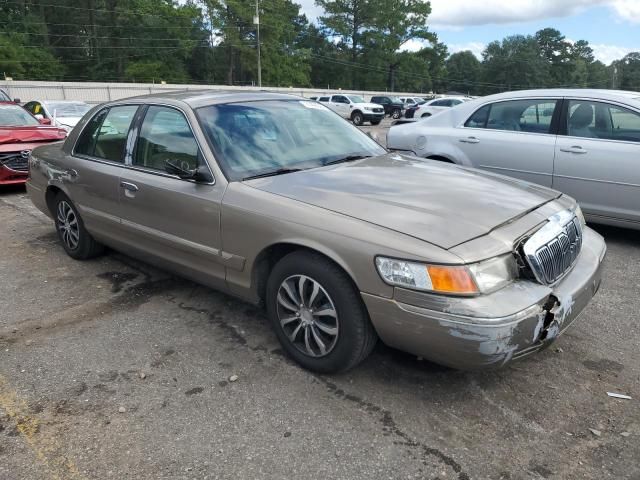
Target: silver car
column 585, row 143
column 277, row 200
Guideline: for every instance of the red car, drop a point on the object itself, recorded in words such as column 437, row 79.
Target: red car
column 20, row 132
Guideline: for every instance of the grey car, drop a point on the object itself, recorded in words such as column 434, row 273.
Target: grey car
column 585, row 143
column 277, row 200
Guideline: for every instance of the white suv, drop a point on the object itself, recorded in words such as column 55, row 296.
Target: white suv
column 354, row 108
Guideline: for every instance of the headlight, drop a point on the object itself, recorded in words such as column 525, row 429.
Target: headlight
column 368, row 109
column 483, row 277
column 580, row 215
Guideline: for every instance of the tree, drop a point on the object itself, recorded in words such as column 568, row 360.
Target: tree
column 515, row 63
column 348, row 20
column 556, row 50
column 464, row 72
column 629, row 71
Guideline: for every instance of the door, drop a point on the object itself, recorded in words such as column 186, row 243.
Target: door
column 164, row 216
column 340, row 105
column 514, row 138
column 598, row 158
column 93, row 169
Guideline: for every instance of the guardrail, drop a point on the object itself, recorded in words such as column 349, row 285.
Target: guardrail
column 98, row 92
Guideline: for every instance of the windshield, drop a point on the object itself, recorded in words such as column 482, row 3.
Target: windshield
column 67, row 109
column 15, row 116
column 256, row 138
column 356, row 99
column 4, row 97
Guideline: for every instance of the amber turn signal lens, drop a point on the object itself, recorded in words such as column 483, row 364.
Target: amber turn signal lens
column 451, row 279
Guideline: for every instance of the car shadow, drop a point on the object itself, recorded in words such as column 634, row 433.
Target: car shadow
column 9, row 190
column 625, row 236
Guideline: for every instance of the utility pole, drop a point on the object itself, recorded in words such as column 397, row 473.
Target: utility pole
column 256, row 21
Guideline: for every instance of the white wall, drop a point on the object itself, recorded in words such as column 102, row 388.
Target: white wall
column 96, row 92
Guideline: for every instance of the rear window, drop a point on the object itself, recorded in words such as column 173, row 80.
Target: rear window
column 15, row 116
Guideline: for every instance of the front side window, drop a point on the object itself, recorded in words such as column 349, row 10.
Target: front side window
column 105, row 136
column 588, row 119
column 356, row 99
column 15, row 116
column 165, row 137
column 532, row 116
column 255, row 138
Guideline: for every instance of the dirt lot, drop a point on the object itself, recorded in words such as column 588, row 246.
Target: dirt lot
column 113, row 369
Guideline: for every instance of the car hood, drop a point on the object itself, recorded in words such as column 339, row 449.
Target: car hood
column 68, row 121
column 368, row 105
column 35, row 133
column 440, row 203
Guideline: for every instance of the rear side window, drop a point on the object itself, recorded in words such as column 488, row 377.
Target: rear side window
column 165, row 136
column 441, row 103
column 589, row 119
column 532, row 116
column 105, row 136
column 323, row 99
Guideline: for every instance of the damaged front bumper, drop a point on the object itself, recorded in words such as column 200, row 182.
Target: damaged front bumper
column 489, row 330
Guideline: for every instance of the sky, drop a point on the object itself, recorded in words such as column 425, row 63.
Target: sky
column 612, row 27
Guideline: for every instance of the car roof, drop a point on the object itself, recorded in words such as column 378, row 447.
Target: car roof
column 570, row 92
column 205, row 97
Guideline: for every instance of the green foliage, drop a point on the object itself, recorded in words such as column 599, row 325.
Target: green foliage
column 357, row 44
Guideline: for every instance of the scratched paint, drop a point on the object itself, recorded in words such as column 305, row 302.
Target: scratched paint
column 46, row 447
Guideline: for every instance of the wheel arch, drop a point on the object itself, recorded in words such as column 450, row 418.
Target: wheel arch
column 269, row 256
column 50, row 195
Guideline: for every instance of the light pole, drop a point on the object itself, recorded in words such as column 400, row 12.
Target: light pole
column 256, row 21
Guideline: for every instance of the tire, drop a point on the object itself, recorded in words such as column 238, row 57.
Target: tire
column 425, row 115
column 357, row 118
column 348, row 338
column 375, row 122
column 396, row 114
column 73, row 235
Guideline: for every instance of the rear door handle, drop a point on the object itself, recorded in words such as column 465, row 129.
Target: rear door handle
column 131, row 187
column 575, row 149
column 470, row 140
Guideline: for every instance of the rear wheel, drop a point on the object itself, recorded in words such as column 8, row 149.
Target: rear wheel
column 357, row 118
column 396, row 114
column 75, row 238
column 318, row 314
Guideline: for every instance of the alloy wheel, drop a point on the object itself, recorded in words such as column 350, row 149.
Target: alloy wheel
column 68, row 225
column 307, row 315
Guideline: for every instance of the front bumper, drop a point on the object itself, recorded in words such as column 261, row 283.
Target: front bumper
column 490, row 330
column 368, row 116
column 9, row 176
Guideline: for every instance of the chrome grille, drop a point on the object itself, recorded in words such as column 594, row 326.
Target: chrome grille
column 552, row 250
column 15, row 161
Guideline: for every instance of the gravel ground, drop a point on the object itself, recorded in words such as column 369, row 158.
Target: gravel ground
column 113, row 369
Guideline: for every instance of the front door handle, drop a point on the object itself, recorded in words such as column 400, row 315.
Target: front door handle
column 71, row 172
column 470, row 140
column 575, row 149
column 131, row 187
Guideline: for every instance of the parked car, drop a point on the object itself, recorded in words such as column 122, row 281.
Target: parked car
column 354, row 108
column 274, row 199
column 585, row 143
column 5, row 98
column 393, row 106
column 19, row 133
column 412, row 101
column 434, row 106
column 62, row 113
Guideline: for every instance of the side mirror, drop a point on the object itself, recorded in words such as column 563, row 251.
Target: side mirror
column 199, row 174
column 16, row 100
column 44, row 121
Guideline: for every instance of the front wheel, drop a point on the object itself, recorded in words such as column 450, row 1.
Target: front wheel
column 317, row 313
column 396, row 114
column 75, row 238
column 357, row 118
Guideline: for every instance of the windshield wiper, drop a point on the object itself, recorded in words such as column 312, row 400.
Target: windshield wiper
column 348, row 158
column 273, row 173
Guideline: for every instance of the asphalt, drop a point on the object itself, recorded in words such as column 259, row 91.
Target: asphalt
column 113, row 369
